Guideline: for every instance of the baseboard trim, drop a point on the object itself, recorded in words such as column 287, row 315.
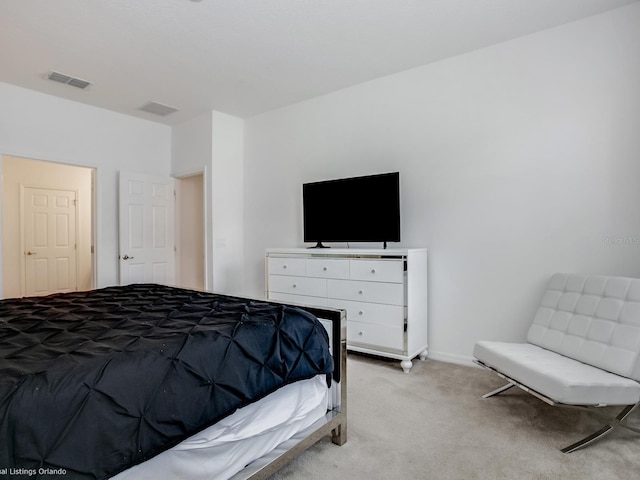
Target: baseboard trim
column 451, row 358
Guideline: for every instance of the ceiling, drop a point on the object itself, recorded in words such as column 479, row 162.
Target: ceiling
column 244, row 57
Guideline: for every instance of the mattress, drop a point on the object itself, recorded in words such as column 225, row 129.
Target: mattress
column 97, row 382
column 222, row 450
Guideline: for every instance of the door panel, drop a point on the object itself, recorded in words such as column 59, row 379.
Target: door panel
column 146, row 229
column 49, row 240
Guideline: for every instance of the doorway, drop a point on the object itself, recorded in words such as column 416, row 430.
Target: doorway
column 48, row 222
column 46, row 204
column 190, row 234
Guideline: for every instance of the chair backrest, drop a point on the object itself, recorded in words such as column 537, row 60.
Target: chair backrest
column 592, row 319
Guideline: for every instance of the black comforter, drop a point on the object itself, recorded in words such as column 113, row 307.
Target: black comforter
column 94, row 382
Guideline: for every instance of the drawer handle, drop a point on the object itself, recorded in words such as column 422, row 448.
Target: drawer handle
column 324, row 268
column 360, row 292
column 294, row 285
column 373, row 270
column 360, row 312
column 284, row 266
column 360, row 333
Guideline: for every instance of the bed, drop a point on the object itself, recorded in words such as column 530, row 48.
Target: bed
column 149, row 381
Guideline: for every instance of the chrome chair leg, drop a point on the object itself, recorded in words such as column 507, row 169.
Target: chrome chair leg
column 614, row 422
column 611, row 422
column 504, row 388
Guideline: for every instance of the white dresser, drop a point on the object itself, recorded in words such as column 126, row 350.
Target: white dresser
column 384, row 292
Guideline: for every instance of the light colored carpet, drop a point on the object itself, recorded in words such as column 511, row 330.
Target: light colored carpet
column 433, row 424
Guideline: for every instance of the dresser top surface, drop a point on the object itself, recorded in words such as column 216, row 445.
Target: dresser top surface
column 327, row 252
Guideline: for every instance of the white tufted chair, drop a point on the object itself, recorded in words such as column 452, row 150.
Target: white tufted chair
column 582, row 350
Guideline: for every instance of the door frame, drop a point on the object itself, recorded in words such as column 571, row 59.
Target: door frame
column 180, row 249
column 206, row 209
column 95, row 224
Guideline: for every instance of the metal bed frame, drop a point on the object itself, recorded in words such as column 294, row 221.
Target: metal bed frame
column 334, row 422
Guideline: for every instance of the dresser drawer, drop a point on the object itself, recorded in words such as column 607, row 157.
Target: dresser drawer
column 313, row 287
column 303, row 300
column 390, row 315
column 327, row 268
column 375, row 292
column 376, row 335
column 377, row 270
column 287, row 266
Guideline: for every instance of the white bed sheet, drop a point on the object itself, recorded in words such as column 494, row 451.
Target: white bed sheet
column 225, row 448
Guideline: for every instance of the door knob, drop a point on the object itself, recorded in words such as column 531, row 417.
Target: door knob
column 126, row 257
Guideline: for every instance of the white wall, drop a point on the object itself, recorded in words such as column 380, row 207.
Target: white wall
column 43, row 127
column 228, row 204
column 516, row 161
column 213, row 143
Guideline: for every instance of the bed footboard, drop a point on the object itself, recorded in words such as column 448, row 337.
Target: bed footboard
column 334, row 422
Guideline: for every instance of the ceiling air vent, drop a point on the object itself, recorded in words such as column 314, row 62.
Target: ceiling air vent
column 158, row 109
column 69, row 80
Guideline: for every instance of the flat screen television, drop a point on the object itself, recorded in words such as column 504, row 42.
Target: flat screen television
column 356, row 209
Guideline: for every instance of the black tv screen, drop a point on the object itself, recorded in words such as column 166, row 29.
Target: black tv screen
column 357, row 209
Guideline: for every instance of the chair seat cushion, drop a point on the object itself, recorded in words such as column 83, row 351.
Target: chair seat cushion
column 557, row 377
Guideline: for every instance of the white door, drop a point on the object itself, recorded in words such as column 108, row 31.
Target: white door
column 146, row 231
column 49, row 240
